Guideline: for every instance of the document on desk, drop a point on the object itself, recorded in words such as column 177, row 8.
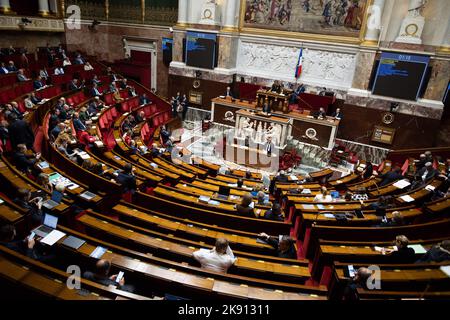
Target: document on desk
column 430, row 187
column 306, row 191
column 293, row 178
column 328, row 215
column 98, row 252
column 53, row 237
column 407, row 198
column 418, row 248
column 402, row 184
column 204, row 198
column 308, row 206
column 213, row 202
column 320, row 207
column 446, row 270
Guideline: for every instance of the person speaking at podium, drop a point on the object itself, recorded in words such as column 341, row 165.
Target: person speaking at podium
column 269, row 146
column 276, row 87
column 229, row 93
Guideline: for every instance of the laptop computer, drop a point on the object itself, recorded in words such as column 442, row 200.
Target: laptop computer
column 50, row 223
column 88, row 195
column 49, row 204
column 224, row 192
column 73, row 242
column 335, row 194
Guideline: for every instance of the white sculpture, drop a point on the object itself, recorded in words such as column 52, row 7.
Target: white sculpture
column 412, row 25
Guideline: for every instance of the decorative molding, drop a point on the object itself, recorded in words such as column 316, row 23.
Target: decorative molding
column 38, row 24
column 320, row 67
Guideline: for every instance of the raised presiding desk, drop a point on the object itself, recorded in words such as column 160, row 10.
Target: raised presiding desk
column 304, row 127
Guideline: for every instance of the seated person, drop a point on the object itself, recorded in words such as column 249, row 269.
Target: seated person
column 101, row 275
column 284, row 245
column 8, row 240
column 438, row 253
column 43, row 181
column 140, row 117
column 62, row 144
column 275, row 213
column 396, row 220
column 358, row 281
column 403, row 254
column 25, row 160
column 323, row 196
column 32, row 206
column 38, row 84
column 95, row 92
column 337, row 114
column 282, row 177
column 321, row 114
column 368, row 170
column 143, row 100
column 426, row 173
column 21, row 77
column 127, row 179
column 155, row 150
column 245, row 208
column 58, row 194
column 263, row 199
column 380, row 206
column 218, row 259
column 229, row 93
column 58, row 71
column 77, row 123
column 390, row 176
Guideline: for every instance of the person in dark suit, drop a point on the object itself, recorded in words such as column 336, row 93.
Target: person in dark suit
column 294, row 96
column 284, row 247
column 419, row 164
column 185, row 105
column 403, row 254
column 391, row 176
column 338, row 114
column 358, row 281
column 140, row 117
column 20, row 133
column 38, row 83
column 245, row 208
column 8, row 239
column 13, row 110
column 143, row 100
column 34, row 99
column 426, row 173
column 101, row 275
column 77, row 124
column 127, row 179
column 274, row 213
column 281, row 177
column 155, row 151
column 276, row 87
column 3, row 69
column 21, row 77
column 95, row 92
column 229, row 93
column 11, row 67
column 368, row 170
column 23, row 161
column 438, row 253
column 321, row 114
column 32, row 206
column 269, row 147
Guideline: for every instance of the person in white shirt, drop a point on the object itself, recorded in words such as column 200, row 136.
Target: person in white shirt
column 67, row 62
column 43, row 73
column 59, row 71
column 88, row 67
column 218, row 259
column 323, row 196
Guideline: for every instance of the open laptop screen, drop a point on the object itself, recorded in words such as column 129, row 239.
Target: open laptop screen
column 50, row 221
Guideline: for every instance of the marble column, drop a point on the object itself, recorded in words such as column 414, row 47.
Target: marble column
column 364, row 63
column 230, row 14
column 437, row 85
column 53, row 5
column 374, row 22
column 44, row 9
column 228, row 46
column 177, row 54
column 5, row 7
column 183, row 6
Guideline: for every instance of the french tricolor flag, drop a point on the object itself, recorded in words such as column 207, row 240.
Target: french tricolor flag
column 298, row 69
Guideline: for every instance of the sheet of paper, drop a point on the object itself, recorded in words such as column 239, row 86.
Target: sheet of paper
column 293, row 178
column 402, row 184
column 308, row 206
column 306, row 191
column 418, row 248
column 73, row 187
column 407, row 198
column 320, row 207
column 53, row 237
column 98, row 252
column 379, row 249
column 430, row 187
column 446, row 270
column 329, row 215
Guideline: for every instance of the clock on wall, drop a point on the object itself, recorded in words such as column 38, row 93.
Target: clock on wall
column 207, row 14
column 411, row 29
column 196, row 84
column 388, row 118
